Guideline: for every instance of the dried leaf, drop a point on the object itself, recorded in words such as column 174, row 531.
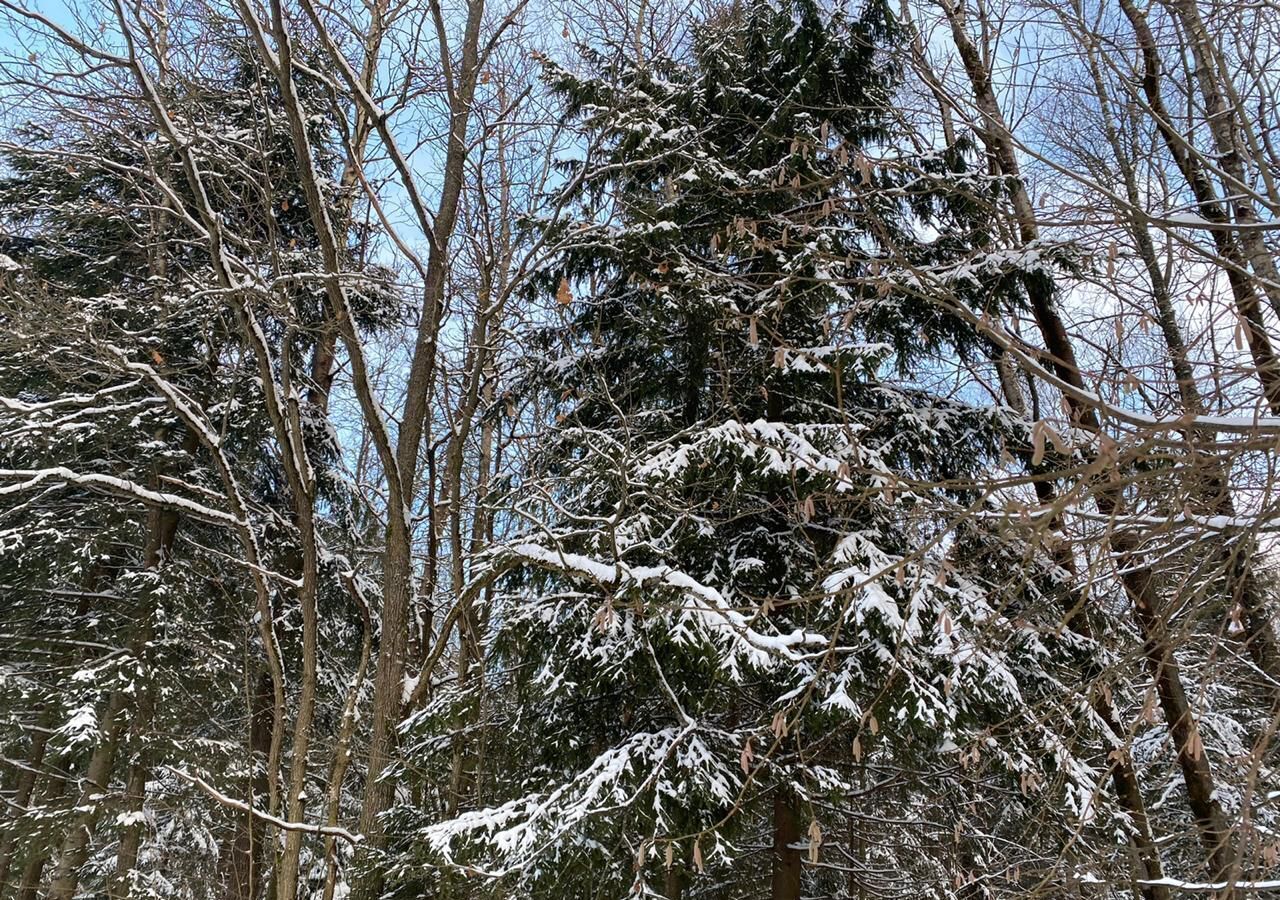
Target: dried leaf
column 815, row 841
column 604, row 617
column 564, row 296
column 1056, row 440
column 864, row 168
column 1037, row 443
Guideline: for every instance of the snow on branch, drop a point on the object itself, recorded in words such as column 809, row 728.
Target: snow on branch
column 27, row 479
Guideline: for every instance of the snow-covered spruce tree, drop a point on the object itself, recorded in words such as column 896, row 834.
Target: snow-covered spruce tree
column 111, row 311
column 752, row 606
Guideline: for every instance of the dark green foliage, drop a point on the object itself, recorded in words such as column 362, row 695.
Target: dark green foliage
column 744, row 453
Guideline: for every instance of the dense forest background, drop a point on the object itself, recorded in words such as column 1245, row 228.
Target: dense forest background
column 672, row 448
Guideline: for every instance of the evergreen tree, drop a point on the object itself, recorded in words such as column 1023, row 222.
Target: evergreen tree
column 88, row 230
column 751, row 576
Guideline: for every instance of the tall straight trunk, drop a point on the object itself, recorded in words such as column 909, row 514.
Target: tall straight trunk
column 1260, row 637
column 51, row 790
column 785, row 881
column 29, row 887
column 342, row 750
column 131, row 832
column 1135, row 573
column 290, row 856
column 75, row 845
column 244, row 859
column 1225, row 240
column 22, row 790
column 469, row 653
column 400, row 464
column 1226, row 130
column 388, row 687
column 389, row 673
column 1124, row 777
column 163, row 528
column 673, row 881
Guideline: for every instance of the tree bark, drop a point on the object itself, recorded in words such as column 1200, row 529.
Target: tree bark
column 75, row 846
column 1124, row 777
column 1226, row 130
column 23, row 788
column 245, row 856
column 1260, row 640
column 785, row 883
column 1135, row 573
column 1225, row 242
column 673, row 881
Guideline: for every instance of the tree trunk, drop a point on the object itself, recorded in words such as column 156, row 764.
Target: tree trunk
column 1208, row 205
column 1135, row 573
column 75, row 846
column 131, row 833
column 244, row 860
column 1260, row 640
column 1225, row 128
column 17, row 804
column 1124, row 776
column 342, row 751
column 673, row 881
column 786, row 855
column 1192, row 759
